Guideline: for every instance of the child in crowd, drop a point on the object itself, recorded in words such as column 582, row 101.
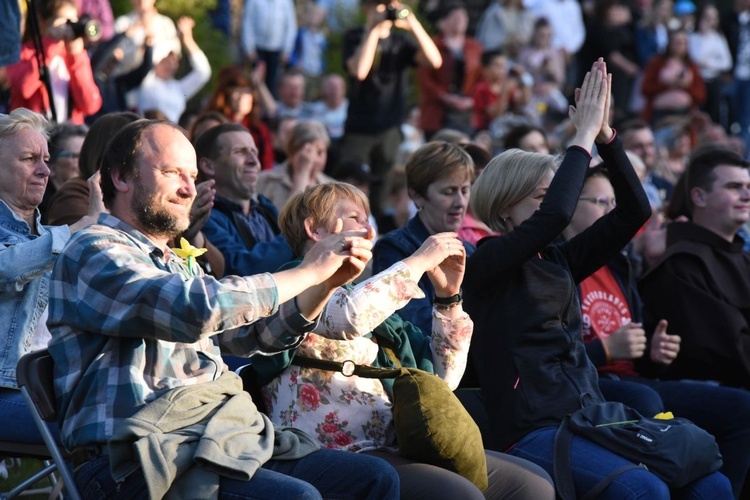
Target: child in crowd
column 494, row 93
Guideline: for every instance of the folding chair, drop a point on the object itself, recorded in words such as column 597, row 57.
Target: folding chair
column 39, row 452
column 34, row 374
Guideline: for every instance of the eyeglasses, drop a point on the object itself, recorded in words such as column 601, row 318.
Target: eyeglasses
column 600, row 201
column 67, row 154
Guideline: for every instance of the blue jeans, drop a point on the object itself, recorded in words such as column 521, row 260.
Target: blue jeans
column 16, row 424
column 323, row 474
column 592, row 463
column 723, row 411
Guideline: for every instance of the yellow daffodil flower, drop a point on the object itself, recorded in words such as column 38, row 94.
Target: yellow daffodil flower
column 189, row 253
column 187, row 250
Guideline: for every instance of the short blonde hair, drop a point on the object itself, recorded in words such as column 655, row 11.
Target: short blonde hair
column 506, row 180
column 316, row 203
column 436, row 160
column 22, row 119
column 305, row 132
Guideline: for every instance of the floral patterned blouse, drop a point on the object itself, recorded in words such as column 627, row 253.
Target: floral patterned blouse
column 353, row 413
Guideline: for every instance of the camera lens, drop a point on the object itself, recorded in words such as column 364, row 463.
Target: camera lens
column 88, row 29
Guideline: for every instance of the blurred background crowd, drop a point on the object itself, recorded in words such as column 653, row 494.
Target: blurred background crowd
column 495, row 74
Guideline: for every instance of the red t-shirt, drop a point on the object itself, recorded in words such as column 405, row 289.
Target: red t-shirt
column 483, row 97
column 604, row 309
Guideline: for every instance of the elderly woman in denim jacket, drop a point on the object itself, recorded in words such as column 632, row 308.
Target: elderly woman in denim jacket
column 27, row 252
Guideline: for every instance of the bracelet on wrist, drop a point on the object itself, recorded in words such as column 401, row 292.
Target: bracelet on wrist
column 448, row 301
column 446, row 307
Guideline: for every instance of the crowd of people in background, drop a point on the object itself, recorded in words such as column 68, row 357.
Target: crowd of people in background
column 432, row 130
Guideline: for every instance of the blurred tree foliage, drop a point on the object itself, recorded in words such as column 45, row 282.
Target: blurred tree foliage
column 213, row 42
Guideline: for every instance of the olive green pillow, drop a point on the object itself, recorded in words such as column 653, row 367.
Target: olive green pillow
column 433, row 427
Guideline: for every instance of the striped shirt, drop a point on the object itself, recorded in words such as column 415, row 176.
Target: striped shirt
column 127, row 326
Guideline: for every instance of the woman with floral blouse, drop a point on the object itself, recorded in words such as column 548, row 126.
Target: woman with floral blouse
column 352, row 413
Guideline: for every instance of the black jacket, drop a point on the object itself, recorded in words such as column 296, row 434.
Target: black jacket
column 521, row 291
column 701, row 285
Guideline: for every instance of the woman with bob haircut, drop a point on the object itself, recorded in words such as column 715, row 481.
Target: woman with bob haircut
column 307, row 152
column 521, row 291
column 438, row 178
column 243, row 98
column 353, row 413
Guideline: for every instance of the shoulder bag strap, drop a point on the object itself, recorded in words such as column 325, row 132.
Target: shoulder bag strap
column 348, row 368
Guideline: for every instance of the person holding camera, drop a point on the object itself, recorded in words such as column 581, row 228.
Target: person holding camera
column 74, row 92
column 376, row 58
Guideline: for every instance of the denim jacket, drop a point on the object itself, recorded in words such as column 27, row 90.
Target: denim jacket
column 25, row 265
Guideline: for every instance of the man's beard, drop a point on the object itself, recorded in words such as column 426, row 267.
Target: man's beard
column 154, row 218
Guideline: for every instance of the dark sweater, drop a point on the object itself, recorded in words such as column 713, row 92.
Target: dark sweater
column 701, row 286
column 521, row 291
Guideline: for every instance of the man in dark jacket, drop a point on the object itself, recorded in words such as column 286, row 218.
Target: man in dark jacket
column 242, row 224
column 376, row 58
column 701, row 283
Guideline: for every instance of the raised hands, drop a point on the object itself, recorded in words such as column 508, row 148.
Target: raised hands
column 590, row 115
column 185, row 27
column 340, row 257
column 443, row 257
column 201, row 209
column 96, row 204
column 449, row 274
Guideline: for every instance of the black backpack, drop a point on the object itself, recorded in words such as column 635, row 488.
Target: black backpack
column 675, row 450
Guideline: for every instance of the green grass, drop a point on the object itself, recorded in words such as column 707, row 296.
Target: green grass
column 18, row 473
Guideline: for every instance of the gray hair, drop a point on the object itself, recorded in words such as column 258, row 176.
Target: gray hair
column 306, row 132
column 22, row 119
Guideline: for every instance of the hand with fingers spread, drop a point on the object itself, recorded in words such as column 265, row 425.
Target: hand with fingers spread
column 627, row 342
column 591, row 99
column 664, row 347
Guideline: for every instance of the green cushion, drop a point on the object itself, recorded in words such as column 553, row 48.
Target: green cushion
column 433, row 427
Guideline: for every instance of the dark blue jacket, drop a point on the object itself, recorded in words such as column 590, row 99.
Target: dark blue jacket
column 244, row 254
column 398, row 245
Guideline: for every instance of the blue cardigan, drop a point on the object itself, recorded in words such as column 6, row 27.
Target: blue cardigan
column 396, row 246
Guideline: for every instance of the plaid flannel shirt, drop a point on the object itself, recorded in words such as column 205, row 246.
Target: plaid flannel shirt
column 128, row 326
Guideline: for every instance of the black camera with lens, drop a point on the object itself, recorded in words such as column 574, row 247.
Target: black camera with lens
column 87, row 28
column 392, row 13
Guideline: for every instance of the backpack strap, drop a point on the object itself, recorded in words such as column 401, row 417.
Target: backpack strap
column 563, row 469
column 602, row 485
column 561, row 466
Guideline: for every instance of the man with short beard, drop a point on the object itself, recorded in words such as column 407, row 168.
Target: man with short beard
column 145, row 400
